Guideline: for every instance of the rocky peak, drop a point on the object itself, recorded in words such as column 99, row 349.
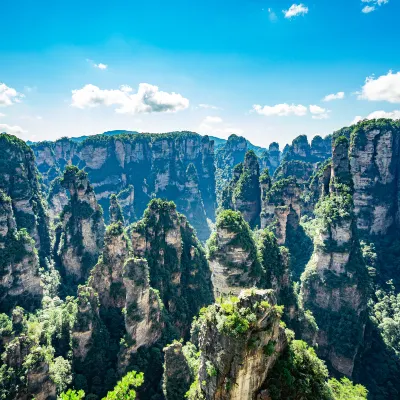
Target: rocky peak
column 177, row 263
column 240, row 340
column 233, row 255
column 191, row 203
column 282, row 205
column 115, row 211
column 107, row 276
column 20, row 282
column 19, row 181
column 334, row 284
column 81, row 236
column 374, row 160
column 144, row 320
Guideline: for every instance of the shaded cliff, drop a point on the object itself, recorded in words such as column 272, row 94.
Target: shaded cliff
column 20, row 282
column 233, row 257
column 81, row 233
column 19, row 180
column 177, row 263
column 335, row 283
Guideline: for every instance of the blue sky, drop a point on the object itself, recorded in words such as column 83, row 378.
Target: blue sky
column 212, row 62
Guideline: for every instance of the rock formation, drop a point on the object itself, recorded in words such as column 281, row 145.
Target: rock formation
column 300, row 170
column 82, row 232
column 126, row 199
column 107, row 276
column 375, row 166
column 177, row 373
column 240, row 340
column 233, row 255
column 281, row 205
column 144, row 320
column 57, row 199
column 270, row 158
column 115, row 211
column 177, row 262
column 334, row 285
column 192, row 205
column 87, row 322
column 20, row 282
column 246, row 196
column 19, row 181
column 155, row 164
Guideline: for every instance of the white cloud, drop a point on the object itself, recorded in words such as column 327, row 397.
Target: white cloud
column 148, row 99
column 9, row 96
column 384, row 88
column 209, row 106
column 12, row 130
column 281, row 110
column 378, row 114
column 295, row 10
column 372, row 4
column 334, row 96
column 213, row 120
column 383, row 114
column 319, row 112
column 101, row 66
column 2, row 115
column 368, row 9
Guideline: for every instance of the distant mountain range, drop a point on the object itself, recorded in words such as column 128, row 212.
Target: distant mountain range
column 218, row 142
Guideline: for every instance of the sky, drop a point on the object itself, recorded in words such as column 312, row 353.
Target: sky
column 266, row 70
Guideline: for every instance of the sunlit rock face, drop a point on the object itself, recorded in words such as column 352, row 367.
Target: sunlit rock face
column 334, row 284
column 375, row 163
column 156, row 165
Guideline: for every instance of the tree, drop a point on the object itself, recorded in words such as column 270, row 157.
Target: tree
column 124, row 388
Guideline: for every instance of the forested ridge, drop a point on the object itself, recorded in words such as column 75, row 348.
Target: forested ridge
column 161, row 266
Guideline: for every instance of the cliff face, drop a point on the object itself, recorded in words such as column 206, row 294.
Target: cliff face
column 270, row 159
column 375, row 163
column 57, row 199
column 155, row 164
column 281, row 205
column 244, row 192
column 301, row 150
column 20, row 283
column 191, row 203
column 240, row 340
column 107, row 276
column 82, row 231
column 19, row 181
column 144, row 320
column 177, row 262
column 233, row 255
column 335, row 282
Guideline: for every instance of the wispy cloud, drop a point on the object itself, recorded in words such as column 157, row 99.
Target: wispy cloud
column 334, row 96
column 272, row 15
column 148, row 99
column 295, row 10
column 384, row 88
column 212, row 120
column 372, row 5
column 209, row 106
column 281, row 110
column 97, row 65
column 101, row 66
